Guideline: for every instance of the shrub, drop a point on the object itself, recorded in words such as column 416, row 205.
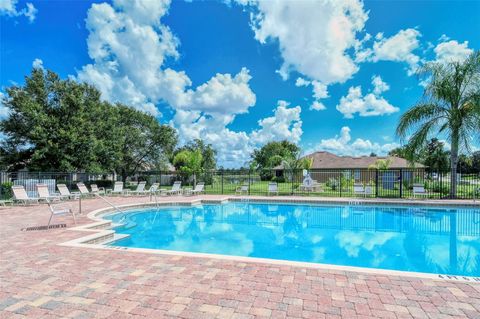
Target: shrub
column 266, row 175
column 333, row 183
column 279, row 179
column 6, row 189
column 438, row 187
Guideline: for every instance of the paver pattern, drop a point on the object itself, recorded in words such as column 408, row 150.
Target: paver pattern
column 39, row 279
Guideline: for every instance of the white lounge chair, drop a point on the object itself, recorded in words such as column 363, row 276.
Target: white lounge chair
column 199, row 188
column 359, row 189
column 96, row 190
column 140, row 190
column 44, row 193
column 64, row 191
column 84, row 190
column 176, row 188
column 241, row 190
column 272, row 188
column 58, row 211
column 117, row 189
column 419, row 190
column 20, row 195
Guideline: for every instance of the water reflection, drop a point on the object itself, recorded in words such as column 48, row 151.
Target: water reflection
column 413, row 239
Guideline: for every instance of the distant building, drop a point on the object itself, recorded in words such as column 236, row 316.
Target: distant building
column 327, row 165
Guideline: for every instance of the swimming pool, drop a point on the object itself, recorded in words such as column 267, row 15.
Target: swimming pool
column 416, row 239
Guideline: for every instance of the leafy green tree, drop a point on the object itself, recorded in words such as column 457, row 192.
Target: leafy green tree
column 465, row 164
column 142, row 142
column 209, row 154
column 55, row 124
column 435, row 157
column 189, row 163
column 298, row 163
column 272, row 154
column 476, row 162
column 451, row 106
column 63, row 125
column 405, row 152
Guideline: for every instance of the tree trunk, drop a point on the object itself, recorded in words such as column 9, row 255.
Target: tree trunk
column 124, row 176
column 453, row 166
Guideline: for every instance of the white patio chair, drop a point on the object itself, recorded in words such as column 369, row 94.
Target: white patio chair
column 199, row 188
column 20, row 195
column 419, row 190
column 272, row 188
column 97, row 190
column 64, row 191
column 84, row 190
column 44, row 193
column 58, row 211
column 241, row 190
column 140, row 190
column 117, row 189
column 176, row 188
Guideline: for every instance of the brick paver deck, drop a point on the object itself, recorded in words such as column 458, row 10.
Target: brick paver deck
column 40, row 279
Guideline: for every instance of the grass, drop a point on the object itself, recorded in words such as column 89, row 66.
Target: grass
column 261, row 187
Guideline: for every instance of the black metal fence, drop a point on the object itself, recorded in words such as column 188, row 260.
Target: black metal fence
column 390, row 183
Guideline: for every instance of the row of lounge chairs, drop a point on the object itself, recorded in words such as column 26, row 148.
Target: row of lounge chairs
column 20, row 194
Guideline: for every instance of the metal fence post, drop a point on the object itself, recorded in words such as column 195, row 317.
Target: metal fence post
column 376, row 182
column 401, row 183
column 292, row 174
column 249, row 181
column 222, row 180
column 340, row 183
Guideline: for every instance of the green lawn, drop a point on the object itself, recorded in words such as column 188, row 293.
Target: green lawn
column 260, row 188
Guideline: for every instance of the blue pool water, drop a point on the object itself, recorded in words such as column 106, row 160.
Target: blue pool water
column 431, row 240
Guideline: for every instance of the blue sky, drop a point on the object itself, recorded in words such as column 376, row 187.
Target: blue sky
column 327, row 75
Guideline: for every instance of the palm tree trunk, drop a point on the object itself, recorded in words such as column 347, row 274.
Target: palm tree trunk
column 453, row 166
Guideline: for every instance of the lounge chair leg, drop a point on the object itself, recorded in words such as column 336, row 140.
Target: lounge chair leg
column 51, row 216
column 74, row 218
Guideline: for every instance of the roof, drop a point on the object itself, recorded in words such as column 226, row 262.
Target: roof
column 327, row 160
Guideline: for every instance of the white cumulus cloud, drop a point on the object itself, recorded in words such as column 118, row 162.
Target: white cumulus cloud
column 379, row 86
column 452, row 50
column 313, row 36
column 371, row 104
column 398, row 48
column 342, row 144
column 9, row 8
column 130, row 45
column 224, row 94
column 285, row 124
column 317, row 106
column 302, row 82
column 37, row 64
column 320, row 91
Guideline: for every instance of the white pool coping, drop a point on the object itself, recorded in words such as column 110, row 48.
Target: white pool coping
column 100, row 235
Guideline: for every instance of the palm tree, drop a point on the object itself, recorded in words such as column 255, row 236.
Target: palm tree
column 450, row 107
column 381, row 164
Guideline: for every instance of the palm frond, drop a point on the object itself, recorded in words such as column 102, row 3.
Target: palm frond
column 416, row 116
column 420, row 137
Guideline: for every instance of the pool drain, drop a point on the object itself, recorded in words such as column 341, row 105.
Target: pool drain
column 44, row 227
